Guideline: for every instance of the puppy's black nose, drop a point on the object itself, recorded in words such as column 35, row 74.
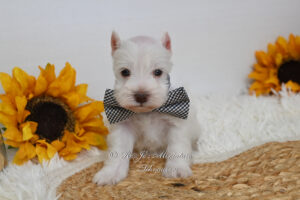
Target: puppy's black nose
column 141, row 97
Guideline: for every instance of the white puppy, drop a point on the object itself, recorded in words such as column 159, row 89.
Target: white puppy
column 141, row 66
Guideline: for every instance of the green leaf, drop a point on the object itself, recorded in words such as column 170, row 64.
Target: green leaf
column 10, row 147
column 3, row 129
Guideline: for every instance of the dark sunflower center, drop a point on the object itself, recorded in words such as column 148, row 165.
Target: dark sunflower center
column 52, row 116
column 289, row 71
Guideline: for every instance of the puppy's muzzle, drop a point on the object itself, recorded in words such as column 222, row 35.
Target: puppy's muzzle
column 141, row 97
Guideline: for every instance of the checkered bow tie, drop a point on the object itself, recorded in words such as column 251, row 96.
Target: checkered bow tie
column 177, row 105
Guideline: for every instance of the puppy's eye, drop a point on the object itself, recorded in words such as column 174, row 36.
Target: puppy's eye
column 125, row 72
column 157, row 72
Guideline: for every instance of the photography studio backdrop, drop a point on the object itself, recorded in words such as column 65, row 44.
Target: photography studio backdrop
column 213, row 44
column 213, row 41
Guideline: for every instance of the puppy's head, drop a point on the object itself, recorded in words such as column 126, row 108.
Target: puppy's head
column 141, row 66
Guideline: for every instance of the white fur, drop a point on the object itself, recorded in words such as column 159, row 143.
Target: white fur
column 146, row 130
column 229, row 125
column 141, row 55
column 39, row 182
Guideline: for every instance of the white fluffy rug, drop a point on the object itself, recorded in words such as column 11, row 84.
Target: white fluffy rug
column 230, row 125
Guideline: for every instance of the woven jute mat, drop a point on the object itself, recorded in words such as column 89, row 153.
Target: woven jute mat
column 270, row 171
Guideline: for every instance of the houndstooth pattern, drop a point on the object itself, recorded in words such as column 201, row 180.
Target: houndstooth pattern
column 177, row 105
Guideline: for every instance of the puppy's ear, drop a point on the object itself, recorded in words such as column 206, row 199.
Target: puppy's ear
column 166, row 41
column 115, row 42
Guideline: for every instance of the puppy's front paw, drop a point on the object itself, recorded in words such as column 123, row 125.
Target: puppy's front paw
column 110, row 175
column 175, row 169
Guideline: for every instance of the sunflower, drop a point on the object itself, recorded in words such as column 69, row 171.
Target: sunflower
column 48, row 115
column 279, row 65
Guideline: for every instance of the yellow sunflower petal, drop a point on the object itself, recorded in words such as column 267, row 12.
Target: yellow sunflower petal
column 256, row 86
column 95, row 124
column 89, row 111
column 13, row 143
column 273, row 80
column 272, row 50
column 26, row 152
column 267, row 90
column 7, row 108
column 76, row 97
column 260, row 68
column 34, row 138
column 21, row 103
column 64, row 83
column 72, row 99
column 73, row 147
column 258, row 76
column 41, row 85
column 13, row 133
column 48, row 73
column 81, row 142
column 64, row 152
column 95, row 139
column 46, row 148
column 58, row 145
column 282, row 45
column 41, row 152
column 51, row 151
column 32, row 82
column 30, row 150
column 264, row 59
column 70, row 157
column 84, row 145
column 7, row 99
column 273, row 72
column 23, row 79
column 295, row 87
column 80, row 132
column 10, row 86
column 278, row 59
column 8, row 104
column 28, row 129
column 292, row 47
column 81, row 90
column 8, row 120
column 67, row 136
column 77, row 138
column 20, row 156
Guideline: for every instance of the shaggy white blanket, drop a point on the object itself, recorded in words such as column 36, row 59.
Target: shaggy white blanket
column 230, row 125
